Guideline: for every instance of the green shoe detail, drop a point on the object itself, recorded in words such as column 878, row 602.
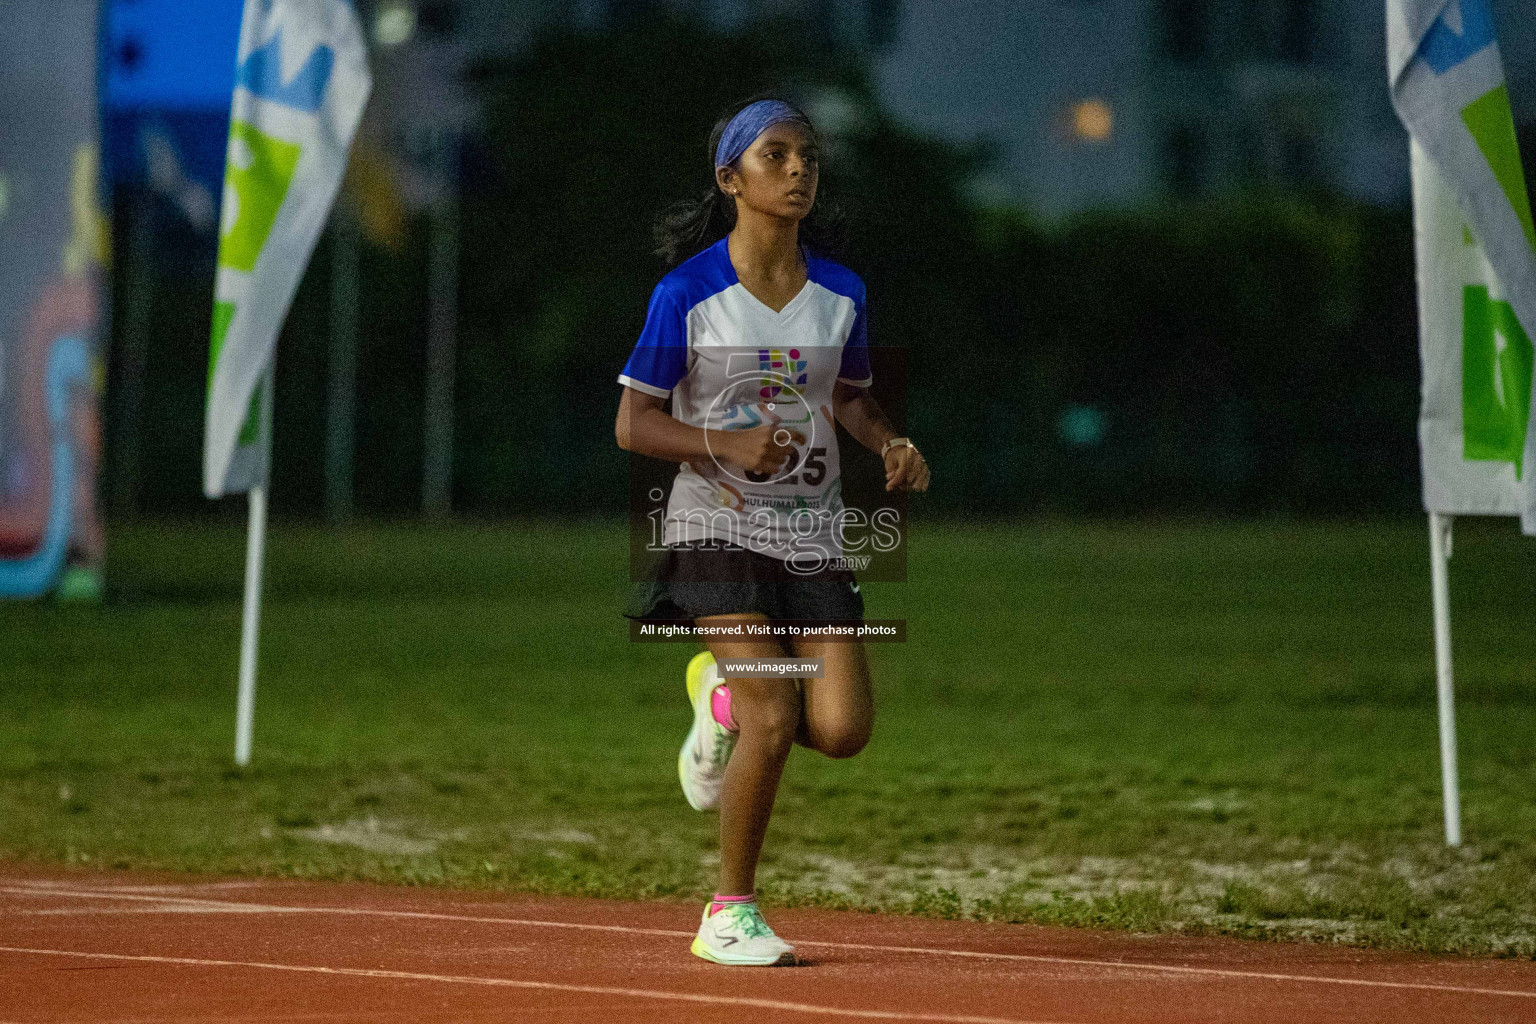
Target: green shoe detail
column 695, row 675
column 707, row 749
column 748, row 918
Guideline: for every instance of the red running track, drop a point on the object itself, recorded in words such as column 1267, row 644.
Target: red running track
column 136, row 948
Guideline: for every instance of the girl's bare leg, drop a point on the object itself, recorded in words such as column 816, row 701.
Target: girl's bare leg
column 767, row 713
column 839, row 708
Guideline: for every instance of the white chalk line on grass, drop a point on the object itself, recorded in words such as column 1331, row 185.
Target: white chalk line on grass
column 174, row 903
column 546, row 986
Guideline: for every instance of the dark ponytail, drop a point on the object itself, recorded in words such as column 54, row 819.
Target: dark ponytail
column 686, row 228
column 689, row 227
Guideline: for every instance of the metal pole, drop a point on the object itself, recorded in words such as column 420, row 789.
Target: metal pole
column 250, row 623
column 341, row 390
column 1439, row 555
column 255, row 539
column 442, row 327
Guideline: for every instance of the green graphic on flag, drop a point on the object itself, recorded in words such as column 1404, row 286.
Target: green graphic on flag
column 259, row 172
column 1492, row 124
column 1496, row 373
column 223, row 316
column 1497, row 355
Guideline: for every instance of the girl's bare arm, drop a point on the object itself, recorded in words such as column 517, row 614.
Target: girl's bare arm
column 859, row 413
column 645, row 428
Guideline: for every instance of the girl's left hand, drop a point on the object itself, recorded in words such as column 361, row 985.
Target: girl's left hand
column 905, row 469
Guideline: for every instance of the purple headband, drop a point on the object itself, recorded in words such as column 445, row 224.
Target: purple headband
column 749, row 123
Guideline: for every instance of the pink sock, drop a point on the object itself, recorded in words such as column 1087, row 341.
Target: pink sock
column 721, row 901
column 720, row 705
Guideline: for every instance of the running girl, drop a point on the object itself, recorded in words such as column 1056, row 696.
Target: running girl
column 759, row 341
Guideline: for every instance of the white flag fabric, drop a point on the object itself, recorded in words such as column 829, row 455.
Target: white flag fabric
column 301, row 82
column 1476, row 250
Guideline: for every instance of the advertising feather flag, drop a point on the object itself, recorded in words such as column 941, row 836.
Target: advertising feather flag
column 1476, row 251
column 301, row 82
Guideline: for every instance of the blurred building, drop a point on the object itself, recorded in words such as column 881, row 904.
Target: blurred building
column 1291, row 92
column 1117, row 102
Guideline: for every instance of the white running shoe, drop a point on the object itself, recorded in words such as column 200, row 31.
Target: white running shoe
column 736, row 935
column 701, row 763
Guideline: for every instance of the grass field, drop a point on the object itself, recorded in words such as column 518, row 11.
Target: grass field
column 1154, row 726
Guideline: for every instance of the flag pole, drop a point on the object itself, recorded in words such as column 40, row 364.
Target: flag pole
column 1439, row 555
column 250, row 622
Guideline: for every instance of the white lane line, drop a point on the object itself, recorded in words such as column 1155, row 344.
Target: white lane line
column 177, row 905
column 546, row 986
column 154, row 908
column 171, row 890
column 1122, row 965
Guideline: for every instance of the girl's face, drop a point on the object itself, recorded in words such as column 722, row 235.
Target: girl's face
column 777, row 175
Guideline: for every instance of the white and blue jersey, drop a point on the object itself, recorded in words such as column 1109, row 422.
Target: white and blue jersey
column 729, row 362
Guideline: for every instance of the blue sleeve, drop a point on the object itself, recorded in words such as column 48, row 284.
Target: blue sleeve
column 855, row 368
column 660, row 357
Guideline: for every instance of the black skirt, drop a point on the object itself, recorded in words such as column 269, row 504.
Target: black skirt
column 695, row 580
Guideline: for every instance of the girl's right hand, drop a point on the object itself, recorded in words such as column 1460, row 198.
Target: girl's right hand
column 761, row 449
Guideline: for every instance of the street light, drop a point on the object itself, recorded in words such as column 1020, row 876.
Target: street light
column 394, row 24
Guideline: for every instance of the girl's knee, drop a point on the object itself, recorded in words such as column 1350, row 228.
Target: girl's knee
column 843, row 738
column 772, row 720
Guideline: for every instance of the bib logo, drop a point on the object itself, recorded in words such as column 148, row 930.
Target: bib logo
column 779, row 372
